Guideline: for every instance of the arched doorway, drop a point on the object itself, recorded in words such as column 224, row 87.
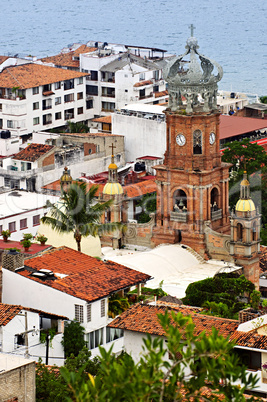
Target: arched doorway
column 214, row 199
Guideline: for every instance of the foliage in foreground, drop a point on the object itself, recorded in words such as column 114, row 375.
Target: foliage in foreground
column 195, row 362
column 73, row 338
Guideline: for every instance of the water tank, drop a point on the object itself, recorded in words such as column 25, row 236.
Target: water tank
column 140, row 167
column 232, row 96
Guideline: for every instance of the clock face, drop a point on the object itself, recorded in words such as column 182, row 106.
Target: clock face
column 212, row 138
column 180, row 140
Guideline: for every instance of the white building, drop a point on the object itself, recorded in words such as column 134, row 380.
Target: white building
column 20, row 333
column 21, row 212
column 69, row 283
column 37, row 97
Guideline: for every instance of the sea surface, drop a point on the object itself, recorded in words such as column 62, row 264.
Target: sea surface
column 230, row 32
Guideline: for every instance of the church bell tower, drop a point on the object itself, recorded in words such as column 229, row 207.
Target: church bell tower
column 193, row 181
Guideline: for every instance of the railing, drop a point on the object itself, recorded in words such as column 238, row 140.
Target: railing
column 107, row 110
column 12, row 97
column 46, row 107
column 108, row 95
column 111, row 80
column 18, row 174
column 215, row 215
column 178, row 216
column 146, row 96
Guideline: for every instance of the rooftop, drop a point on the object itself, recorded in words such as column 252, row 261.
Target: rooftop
column 33, row 75
column 231, row 126
column 33, row 152
column 68, row 59
column 104, row 119
column 83, row 276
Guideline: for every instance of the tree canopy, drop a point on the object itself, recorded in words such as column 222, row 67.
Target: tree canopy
column 73, row 338
column 79, row 213
column 181, row 367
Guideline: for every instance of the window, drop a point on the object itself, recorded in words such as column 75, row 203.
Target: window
column 89, row 312
column 142, row 76
column 57, row 85
column 47, row 119
column 58, row 100
column 47, row 87
column 103, row 308
column 58, row 116
column 95, row 338
column 35, row 106
column 239, row 232
column 89, row 104
column 10, row 124
column 197, row 142
column 80, row 80
column 108, row 106
column 23, row 223
column 79, row 95
column 80, row 110
column 69, row 114
column 35, row 90
column 94, row 75
column 12, row 226
column 69, row 98
column 78, row 312
column 1, row 229
column 36, row 120
column 91, row 90
column 36, row 220
column 69, row 84
column 113, row 333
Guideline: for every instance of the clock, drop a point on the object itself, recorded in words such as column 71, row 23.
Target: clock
column 180, row 140
column 212, row 138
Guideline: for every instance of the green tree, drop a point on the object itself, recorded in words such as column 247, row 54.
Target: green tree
column 148, row 203
column 263, row 99
column 50, row 385
column 77, row 127
column 73, row 338
column 78, row 212
column 83, row 361
column 210, row 360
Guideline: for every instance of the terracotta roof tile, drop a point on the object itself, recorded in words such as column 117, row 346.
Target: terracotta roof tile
column 162, row 93
column 104, row 119
column 144, row 318
column 250, row 339
column 3, row 58
column 33, row 75
column 8, row 312
column 86, row 277
column 263, row 259
column 33, row 152
column 231, row 126
column 138, row 189
column 143, row 83
column 67, row 59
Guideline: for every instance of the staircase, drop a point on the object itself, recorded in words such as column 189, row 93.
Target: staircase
column 194, row 253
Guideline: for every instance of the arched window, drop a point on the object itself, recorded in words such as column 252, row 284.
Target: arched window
column 179, row 201
column 214, row 199
column 197, row 142
column 239, row 232
column 254, row 232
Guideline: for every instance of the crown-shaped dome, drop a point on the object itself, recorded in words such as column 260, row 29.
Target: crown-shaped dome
column 195, row 79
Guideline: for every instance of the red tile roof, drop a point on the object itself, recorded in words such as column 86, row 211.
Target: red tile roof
column 33, row 152
column 250, row 339
column 150, row 158
column 3, row 58
column 86, row 277
column 231, row 126
column 141, row 188
column 144, row 318
column 67, row 59
column 33, row 75
column 162, row 93
column 142, row 83
column 104, row 119
column 263, row 259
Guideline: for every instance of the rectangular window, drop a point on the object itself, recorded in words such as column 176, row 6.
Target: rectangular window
column 58, row 100
column 108, row 106
column 35, row 90
column 69, row 98
column 47, row 119
column 57, row 85
column 35, row 106
column 23, row 223
column 12, row 226
column 89, row 312
column 10, row 124
column 36, row 220
column 79, row 95
column 36, row 120
column 103, row 308
column 91, row 90
column 69, row 84
column 89, row 104
column 80, row 110
column 95, row 338
column 1, row 229
column 113, row 333
column 58, row 116
column 78, row 312
column 47, row 87
column 80, row 80
column 94, row 75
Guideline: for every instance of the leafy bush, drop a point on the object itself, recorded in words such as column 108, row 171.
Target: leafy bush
column 73, row 338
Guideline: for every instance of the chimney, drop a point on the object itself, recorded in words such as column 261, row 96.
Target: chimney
column 12, row 259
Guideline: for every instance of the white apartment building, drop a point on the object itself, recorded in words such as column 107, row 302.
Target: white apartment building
column 35, row 97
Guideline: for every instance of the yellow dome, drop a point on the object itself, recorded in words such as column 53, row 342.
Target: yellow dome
column 244, row 182
column 112, row 189
column 113, row 166
column 65, row 177
column 245, row 206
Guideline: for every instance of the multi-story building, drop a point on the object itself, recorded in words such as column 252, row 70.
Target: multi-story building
column 37, row 97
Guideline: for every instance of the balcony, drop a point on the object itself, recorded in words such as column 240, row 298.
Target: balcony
column 178, row 216
column 215, row 215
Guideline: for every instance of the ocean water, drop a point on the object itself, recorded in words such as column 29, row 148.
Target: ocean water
column 232, row 33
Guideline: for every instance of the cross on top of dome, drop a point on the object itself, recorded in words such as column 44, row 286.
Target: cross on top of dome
column 194, row 79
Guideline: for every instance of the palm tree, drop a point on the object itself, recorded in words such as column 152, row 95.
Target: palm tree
column 77, row 212
column 77, row 127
